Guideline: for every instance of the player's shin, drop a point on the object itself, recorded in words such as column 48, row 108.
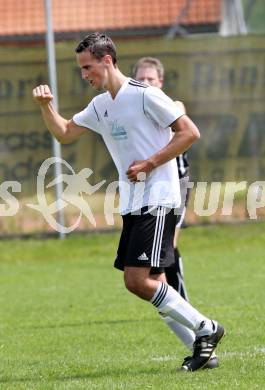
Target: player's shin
column 170, row 303
column 186, row 335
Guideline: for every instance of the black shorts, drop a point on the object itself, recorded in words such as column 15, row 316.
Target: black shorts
column 147, row 239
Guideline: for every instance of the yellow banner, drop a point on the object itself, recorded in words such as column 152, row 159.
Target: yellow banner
column 220, row 80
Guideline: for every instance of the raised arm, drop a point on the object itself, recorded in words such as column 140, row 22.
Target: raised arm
column 65, row 131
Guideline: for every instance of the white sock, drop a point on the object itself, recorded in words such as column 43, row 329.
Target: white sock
column 169, row 302
column 186, row 335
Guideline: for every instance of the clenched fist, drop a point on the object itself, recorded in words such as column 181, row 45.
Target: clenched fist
column 42, row 95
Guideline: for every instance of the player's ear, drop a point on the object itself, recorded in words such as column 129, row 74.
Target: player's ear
column 107, row 59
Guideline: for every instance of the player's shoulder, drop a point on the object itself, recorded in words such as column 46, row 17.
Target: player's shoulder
column 137, row 84
column 101, row 98
column 141, row 88
column 154, row 93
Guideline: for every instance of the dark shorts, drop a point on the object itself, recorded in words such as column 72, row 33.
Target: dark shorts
column 147, row 239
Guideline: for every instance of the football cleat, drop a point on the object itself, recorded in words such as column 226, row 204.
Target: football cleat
column 203, row 348
column 212, row 363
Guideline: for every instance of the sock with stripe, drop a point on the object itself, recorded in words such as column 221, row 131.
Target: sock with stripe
column 170, row 303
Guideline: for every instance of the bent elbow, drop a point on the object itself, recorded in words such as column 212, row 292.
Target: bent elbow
column 65, row 141
column 60, row 139
column 195, row 135
column 66, row 137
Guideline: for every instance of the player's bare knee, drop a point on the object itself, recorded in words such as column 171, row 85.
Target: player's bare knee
column 131, row 283
column 136, row 282
column 159, row 277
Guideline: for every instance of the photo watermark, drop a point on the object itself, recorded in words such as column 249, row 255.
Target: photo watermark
column 208, row 197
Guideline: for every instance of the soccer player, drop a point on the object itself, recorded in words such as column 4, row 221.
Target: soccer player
column 150, row 70
column 135, row 122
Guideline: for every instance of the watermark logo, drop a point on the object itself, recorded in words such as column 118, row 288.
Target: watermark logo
column 76, row 185
column 209, row 198
column 10, row 207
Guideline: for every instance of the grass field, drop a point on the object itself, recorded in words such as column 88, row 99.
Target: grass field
column 67, row 322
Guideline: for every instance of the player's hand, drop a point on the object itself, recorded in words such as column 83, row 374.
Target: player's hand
column 42, row 95
column 138, row 170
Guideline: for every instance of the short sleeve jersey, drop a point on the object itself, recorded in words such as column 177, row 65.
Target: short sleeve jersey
column 134, row 126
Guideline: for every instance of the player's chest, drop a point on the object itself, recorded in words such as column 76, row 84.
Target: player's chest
column 120, row 120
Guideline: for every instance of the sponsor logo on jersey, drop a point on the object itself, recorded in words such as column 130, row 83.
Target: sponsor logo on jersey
column 118, row 132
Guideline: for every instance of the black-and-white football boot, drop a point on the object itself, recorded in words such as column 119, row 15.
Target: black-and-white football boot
column 203, row 348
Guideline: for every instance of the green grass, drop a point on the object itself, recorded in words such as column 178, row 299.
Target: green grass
column 67, row 322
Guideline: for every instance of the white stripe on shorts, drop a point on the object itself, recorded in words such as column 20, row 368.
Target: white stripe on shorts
column 157, row 243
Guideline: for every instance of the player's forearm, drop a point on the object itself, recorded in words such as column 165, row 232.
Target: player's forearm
column 171, row 151
column 181, row 142
column 55, row 123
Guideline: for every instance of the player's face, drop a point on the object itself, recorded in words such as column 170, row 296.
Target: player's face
column 92, row 70
column 149, row 76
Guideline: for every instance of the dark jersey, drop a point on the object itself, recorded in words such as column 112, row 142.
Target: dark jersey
column 183, row 165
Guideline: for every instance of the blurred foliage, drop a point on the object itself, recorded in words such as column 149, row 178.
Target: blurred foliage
column 255, row 15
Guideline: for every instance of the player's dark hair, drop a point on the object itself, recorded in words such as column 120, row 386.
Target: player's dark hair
column 98, row 45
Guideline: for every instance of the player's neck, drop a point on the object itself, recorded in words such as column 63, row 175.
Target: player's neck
column 116, row 80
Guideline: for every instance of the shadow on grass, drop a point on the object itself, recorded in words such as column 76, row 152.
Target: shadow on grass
column 105, row 322
column 105, row 373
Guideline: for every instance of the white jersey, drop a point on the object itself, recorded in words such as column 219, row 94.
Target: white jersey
column 134, row 126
